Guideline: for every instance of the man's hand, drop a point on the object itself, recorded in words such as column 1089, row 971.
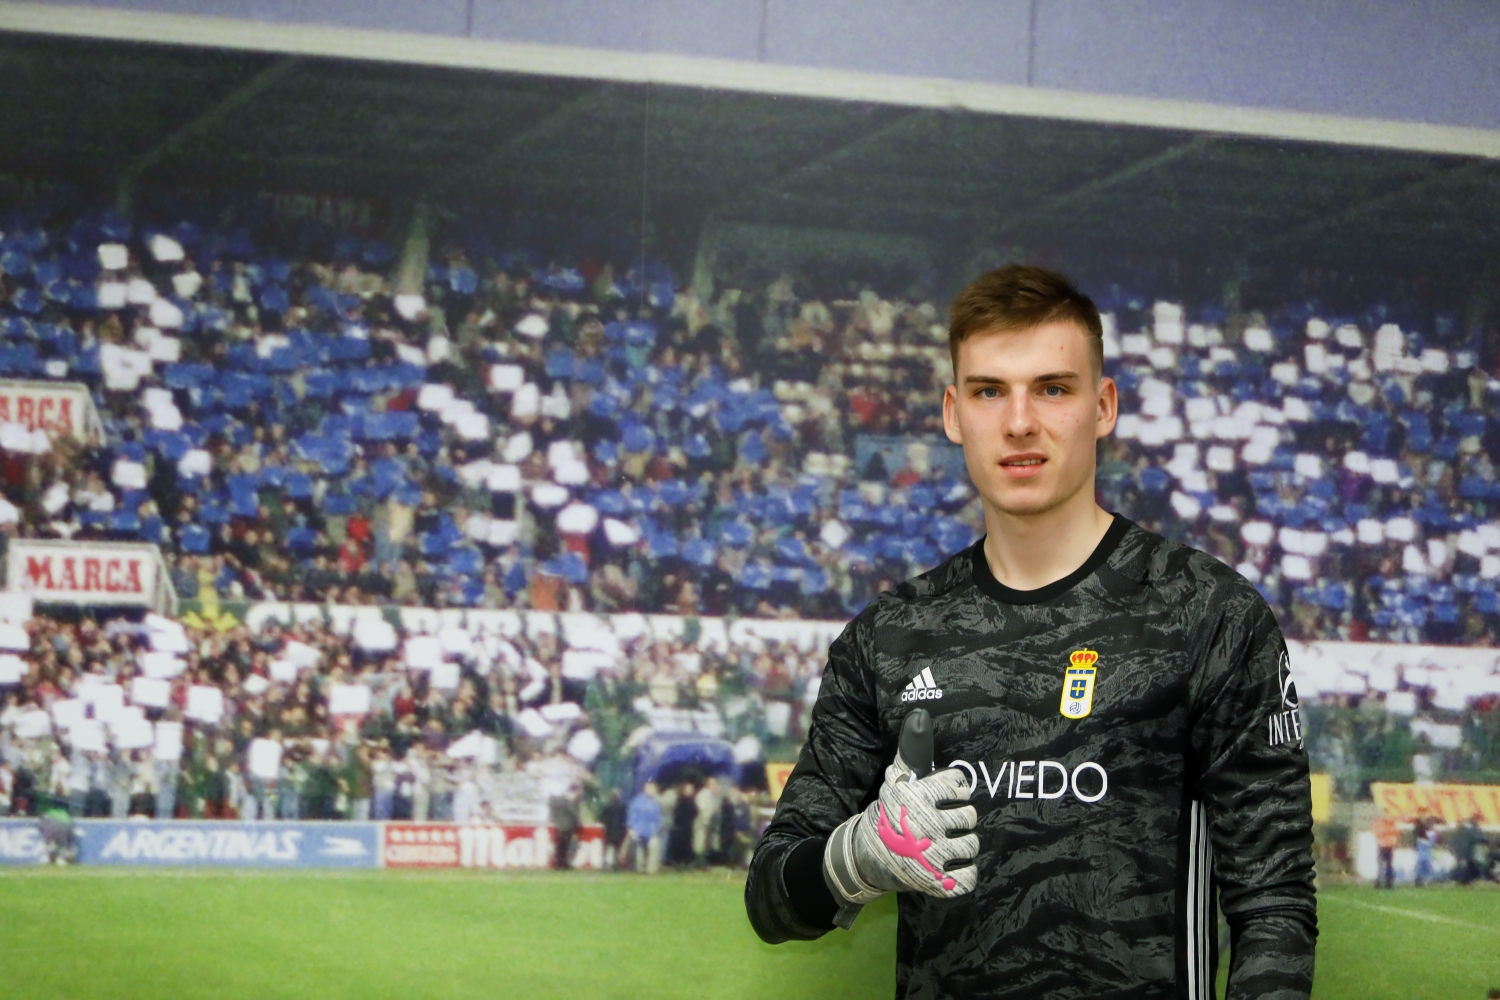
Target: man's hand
column 917, row 836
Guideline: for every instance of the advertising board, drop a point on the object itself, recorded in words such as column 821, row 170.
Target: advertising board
column 472, row 845
column 21, row 843
column 245, row 845
column 94, row 573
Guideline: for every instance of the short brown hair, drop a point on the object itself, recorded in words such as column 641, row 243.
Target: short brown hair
column 1021, row 297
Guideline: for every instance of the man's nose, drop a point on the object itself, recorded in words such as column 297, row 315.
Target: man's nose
column 1020, row 416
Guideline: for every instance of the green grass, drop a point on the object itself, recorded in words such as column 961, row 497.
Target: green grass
column 321, row 936
column 1436, row 943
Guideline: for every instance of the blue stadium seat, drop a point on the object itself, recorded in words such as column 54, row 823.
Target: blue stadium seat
column 753, row 449
column 756, row 576
column 736, row 534
column 466, row 561
column 662, row 545
column 570, row 566
column 187, row 376
column 298, row 486
column 790, row 550
column 638, row 438
column 699, row 552
column 814, row 581
column 193, row 538
column 301, row 540
column 339, row 504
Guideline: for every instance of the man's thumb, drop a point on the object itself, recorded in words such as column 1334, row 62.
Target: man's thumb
column 914, row 751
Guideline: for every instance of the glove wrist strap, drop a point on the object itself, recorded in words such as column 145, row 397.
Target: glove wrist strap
column 839, row 870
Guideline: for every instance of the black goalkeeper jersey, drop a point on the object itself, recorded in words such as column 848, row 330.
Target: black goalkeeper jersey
column 1132, row 738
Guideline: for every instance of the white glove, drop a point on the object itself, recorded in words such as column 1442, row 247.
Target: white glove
column 904, row 841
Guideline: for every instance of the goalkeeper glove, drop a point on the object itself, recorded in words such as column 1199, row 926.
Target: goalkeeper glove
column 916, row 836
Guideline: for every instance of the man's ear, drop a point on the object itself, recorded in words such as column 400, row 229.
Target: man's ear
column 950, row 415
column 1109, row 407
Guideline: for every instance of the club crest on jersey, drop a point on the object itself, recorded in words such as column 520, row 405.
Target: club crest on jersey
column 1078, row 684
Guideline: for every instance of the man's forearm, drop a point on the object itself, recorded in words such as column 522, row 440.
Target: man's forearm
column 785, row 894
column 1272, row 954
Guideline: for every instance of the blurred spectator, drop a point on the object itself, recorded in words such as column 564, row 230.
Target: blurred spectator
column 683, row 815
column 562, row 813
column 612, row 817
column 1467, row 842
column 1387, row 838
column 644, row 820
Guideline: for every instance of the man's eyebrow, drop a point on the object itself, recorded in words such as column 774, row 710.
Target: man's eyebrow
column 996, row 380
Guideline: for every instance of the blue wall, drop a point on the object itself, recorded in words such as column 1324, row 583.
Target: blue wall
column 1435, row 61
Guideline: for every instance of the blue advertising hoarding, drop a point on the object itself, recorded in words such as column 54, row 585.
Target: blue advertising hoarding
column 245, row 845
column 180, row 842
column 21, row 843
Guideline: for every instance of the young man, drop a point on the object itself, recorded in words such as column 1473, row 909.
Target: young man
column 1117, row 710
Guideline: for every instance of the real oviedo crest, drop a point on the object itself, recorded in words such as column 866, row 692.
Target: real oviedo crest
column 1078, row 684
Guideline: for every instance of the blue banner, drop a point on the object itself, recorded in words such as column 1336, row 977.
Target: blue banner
column 242, row 845
column 21, row 843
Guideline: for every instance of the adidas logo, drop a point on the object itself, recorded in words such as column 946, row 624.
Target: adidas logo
column 922, row 688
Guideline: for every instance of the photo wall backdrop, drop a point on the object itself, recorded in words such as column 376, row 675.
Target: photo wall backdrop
column 512, row 441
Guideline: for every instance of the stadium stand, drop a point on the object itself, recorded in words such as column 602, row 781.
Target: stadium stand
column 552, row 440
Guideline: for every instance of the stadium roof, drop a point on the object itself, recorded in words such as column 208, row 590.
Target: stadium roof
column 99, row 112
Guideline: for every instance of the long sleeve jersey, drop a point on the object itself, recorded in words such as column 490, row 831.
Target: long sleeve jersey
column 1132, row 739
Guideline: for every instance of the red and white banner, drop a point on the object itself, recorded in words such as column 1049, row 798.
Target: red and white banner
column 472, row 845
column 1452, row 804
column 89, row 573
column 60, row 407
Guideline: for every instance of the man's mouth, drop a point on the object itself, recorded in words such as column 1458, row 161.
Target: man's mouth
column 1023, row 466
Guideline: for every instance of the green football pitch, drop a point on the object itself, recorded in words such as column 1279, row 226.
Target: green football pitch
column 224, row 935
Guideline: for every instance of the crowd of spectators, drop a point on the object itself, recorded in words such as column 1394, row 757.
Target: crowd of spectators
column 509, row 435
column 1346, row 466
column 314, row 721
column 512, row 435
column 289, row 424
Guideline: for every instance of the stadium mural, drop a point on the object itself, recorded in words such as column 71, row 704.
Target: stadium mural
column 509, row 488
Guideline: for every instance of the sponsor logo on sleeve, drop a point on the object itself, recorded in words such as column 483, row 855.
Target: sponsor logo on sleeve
column 1284, row 728
column 1078, row 684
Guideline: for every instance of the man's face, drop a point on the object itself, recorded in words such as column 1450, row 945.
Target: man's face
column 1027, row 410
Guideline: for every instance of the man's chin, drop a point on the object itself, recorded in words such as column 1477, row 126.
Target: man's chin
column 1026, row 503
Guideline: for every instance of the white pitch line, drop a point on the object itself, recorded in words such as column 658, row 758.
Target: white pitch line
column 1434, row 918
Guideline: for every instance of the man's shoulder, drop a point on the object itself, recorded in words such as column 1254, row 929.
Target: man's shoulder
column 1190, row 578
column 948, row 576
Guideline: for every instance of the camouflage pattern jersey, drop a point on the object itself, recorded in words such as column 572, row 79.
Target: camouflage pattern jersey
column 1132, row 737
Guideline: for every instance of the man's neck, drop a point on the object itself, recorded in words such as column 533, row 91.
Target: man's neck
column 1025, row 552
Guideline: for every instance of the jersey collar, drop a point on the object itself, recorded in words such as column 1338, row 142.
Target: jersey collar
column 985, row 580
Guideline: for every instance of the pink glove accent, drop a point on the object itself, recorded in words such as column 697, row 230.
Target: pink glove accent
column 908, row 845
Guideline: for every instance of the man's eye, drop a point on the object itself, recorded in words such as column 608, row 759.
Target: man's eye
column 1053, row 390
column 990, row 392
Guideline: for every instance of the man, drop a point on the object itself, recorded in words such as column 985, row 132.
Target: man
column 1424, row 833
column 644, row 820
column 1387, row 838
column 563, row 811
column 612, row 818
column 707, row 800
column 1117, row 710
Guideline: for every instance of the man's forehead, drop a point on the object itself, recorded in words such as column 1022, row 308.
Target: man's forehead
column 1028, row 353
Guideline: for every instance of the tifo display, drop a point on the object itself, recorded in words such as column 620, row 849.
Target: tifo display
column 540, row 545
